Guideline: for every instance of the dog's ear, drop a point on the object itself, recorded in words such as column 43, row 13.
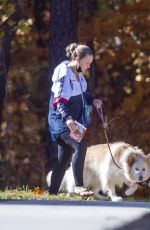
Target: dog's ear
column 130, row 147
column 126, row 145
column 131, row 159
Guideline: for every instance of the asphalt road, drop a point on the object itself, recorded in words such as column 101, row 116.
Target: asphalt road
column 73, row 215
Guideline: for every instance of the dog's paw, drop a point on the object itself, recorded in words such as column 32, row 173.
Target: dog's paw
column 131, row 190
column 101, row 197
column 69, row 194
column 128, row 192
column 116, row 198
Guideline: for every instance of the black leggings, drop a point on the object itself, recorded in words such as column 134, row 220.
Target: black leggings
column 68, row 150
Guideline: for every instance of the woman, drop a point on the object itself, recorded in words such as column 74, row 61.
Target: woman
column 68, row 102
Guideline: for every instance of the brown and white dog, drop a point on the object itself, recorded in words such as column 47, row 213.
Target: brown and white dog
column 102, row 175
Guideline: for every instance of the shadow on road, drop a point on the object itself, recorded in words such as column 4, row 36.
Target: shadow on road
column 140, row 224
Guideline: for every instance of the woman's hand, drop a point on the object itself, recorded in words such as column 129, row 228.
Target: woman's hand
column 71, row 125
column 73, row 129
column 97, row 103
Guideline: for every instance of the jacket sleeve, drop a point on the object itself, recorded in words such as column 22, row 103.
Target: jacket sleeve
column 89, row 98
column 62, row 94
column 62, row 108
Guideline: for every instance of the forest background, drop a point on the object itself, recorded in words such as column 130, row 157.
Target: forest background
column 33, row 35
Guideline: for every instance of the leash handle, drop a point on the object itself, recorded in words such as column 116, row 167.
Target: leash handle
column 100, row 113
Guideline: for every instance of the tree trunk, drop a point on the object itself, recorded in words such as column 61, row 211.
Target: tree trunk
column 41, row 15
column 4, row 66
column 63, row 28
column 5, row 46
column 63, row 31
column 5, row 60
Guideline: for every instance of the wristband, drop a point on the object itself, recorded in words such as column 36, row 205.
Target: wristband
column 69, row 118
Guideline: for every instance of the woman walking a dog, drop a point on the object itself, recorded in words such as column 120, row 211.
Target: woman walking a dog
column 68, row 103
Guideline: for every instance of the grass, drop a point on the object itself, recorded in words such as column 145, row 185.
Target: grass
column 26, row 193
column 36, row 194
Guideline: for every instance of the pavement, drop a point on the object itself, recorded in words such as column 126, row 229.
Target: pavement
column 73, row 215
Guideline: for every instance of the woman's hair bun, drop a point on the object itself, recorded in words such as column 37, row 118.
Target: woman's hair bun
column 70, row 49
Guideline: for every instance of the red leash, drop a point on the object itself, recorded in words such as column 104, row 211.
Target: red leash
column 100, row 113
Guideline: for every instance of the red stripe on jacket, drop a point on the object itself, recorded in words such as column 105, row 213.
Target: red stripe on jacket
column 59, row 99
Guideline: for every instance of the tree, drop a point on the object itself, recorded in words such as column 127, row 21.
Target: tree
column 63, row 28
column 9, row 16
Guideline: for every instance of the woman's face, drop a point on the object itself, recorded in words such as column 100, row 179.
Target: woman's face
column 85, row 62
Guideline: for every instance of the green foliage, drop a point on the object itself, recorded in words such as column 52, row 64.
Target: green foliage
column 21, row 28
column 6, row 11
column 105, row 5
column 130, row 1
